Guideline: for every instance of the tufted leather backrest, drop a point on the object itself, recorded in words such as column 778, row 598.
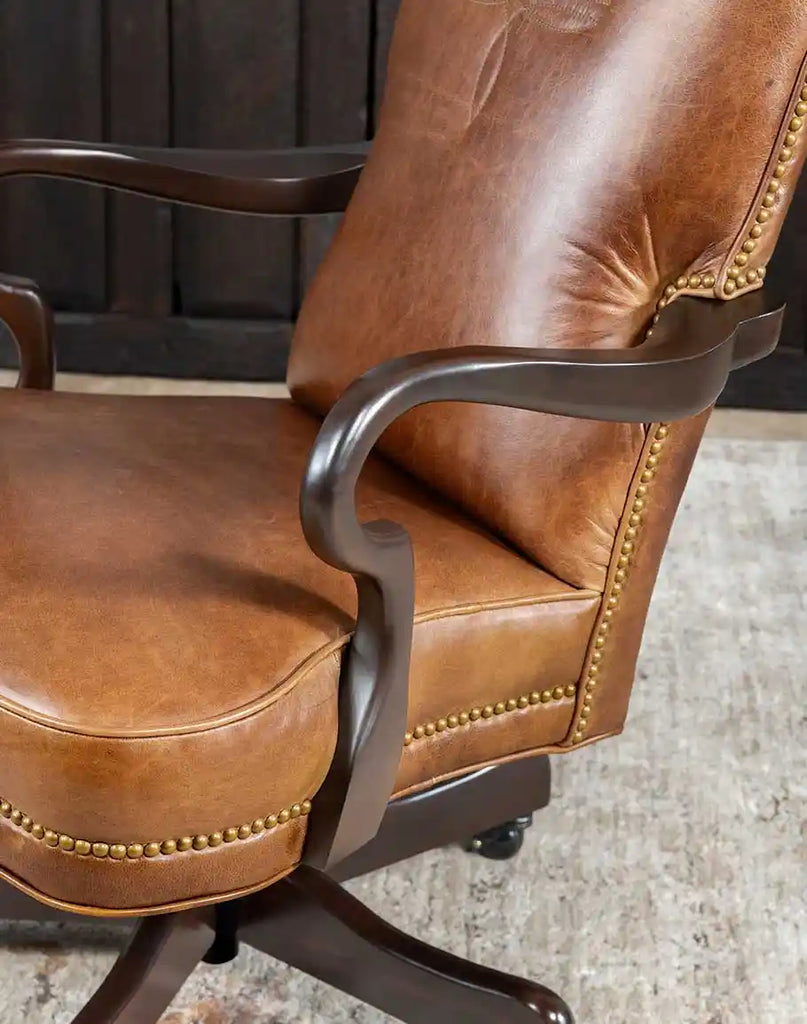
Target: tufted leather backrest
column 550, row 173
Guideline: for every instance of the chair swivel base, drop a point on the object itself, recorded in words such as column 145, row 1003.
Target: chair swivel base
column 309, row 921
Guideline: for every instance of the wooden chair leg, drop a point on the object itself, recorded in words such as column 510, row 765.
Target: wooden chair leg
column 310, row 922
column 148, row 974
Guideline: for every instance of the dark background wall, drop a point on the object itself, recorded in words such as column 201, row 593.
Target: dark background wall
column 141, row 287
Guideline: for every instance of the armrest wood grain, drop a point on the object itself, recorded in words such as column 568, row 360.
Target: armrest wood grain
column 272, row 182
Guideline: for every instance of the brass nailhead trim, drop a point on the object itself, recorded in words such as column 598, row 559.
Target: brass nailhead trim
column 612, row 598
column 695, row 282
column 118, row 851
column 740, row 275
column 504, row 707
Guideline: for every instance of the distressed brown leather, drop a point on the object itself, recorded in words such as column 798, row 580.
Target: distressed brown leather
column 542, row 171
column 170, row 647
column 616, row 670
column 546, row 173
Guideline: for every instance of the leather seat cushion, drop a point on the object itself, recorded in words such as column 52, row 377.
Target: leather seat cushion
column 170, row 647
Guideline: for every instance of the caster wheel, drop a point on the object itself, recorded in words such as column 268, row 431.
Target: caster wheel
column 502, row 842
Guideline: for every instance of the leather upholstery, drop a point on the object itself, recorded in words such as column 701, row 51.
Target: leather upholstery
column 170, row 648
column 615, row 668
column 543, row 171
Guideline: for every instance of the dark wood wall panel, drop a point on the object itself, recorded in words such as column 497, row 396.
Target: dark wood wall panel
column 235, row 85
column 51, row 78
column 334, row 63
column 138, row 109
column 386, row 11
column 141, row 287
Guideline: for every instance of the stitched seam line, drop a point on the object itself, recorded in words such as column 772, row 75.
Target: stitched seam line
column 487, row 711
column 492, row 762
column 121, row 913
column 63, row 843
column 311, row 663
column 495, row 606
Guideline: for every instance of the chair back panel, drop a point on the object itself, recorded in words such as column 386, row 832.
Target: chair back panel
column 550, row 173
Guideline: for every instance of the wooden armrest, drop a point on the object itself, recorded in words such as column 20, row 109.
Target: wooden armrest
column 679, row 371
column 27, row 315
column 269, row 182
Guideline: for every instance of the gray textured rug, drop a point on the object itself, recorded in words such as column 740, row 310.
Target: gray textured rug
column 666, row 882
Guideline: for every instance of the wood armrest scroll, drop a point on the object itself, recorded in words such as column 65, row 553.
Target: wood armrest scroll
column 679, row 372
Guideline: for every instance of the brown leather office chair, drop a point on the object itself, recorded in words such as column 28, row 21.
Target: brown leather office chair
column 202, row 721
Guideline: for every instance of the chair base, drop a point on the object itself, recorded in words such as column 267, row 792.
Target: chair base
column 308, row 921
column 452, row 812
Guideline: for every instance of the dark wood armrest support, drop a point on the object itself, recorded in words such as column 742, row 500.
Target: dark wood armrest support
column 676, row 373
column 27, row 315
column 273, row 182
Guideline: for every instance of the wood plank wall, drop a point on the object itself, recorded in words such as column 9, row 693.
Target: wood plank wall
column 140, row 287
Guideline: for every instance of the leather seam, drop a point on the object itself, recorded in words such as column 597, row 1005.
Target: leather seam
column 732, row 276
column 735, row 277
column 503, row 605
column 297, row 675
column 462, row 719
column 635, row 511
column 63, row 843
column 518, row 755
column 87, row 910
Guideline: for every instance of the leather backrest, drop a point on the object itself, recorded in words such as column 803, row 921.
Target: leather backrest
column 551, row 173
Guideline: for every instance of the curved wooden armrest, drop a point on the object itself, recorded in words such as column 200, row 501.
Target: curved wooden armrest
column 678, row 372
column 25, row 312
column 271, row 182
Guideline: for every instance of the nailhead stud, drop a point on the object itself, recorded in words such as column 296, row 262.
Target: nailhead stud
column 736, row 280
column 463, row 718
column 611, row 601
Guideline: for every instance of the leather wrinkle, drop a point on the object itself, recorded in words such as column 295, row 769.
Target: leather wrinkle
column 547, row 187
column 544, row 173
column 232, row 657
